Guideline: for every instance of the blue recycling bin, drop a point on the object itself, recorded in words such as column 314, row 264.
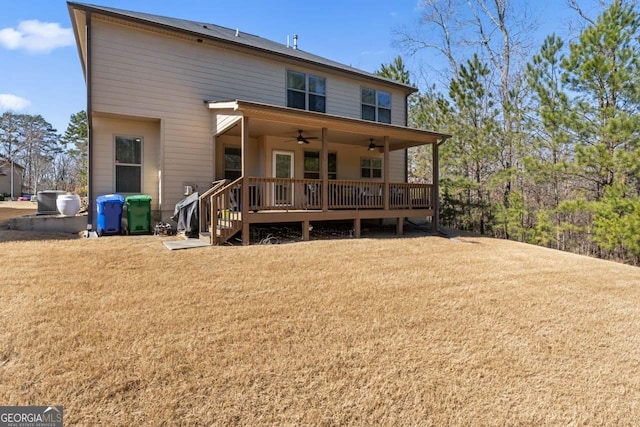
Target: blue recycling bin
column 109, row 214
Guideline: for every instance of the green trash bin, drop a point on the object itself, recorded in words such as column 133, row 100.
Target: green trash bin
column 138, row 214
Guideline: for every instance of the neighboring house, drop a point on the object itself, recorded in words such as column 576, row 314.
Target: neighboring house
column 174, row 104
column 5, row 178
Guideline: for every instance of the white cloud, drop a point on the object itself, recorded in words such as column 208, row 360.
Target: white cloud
column 12, row 102
column 36, row 37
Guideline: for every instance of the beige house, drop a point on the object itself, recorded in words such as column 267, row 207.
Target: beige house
column 265, row 132
column 6, row 181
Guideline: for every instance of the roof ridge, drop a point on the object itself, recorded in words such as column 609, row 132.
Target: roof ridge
column 234, row 36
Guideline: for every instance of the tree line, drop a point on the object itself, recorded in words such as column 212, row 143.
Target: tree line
column 51, row 161
column 545, row 144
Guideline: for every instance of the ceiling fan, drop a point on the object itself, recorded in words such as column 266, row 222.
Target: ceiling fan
column 304, row 140
column 372, row 146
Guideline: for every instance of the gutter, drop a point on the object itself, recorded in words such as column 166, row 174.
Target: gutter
column 444, row 139
column 342, row 68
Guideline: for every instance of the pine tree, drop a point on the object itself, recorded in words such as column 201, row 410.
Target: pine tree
column 76, row 141
column 602, row 69
column 395, row 71
column 470, row 157
column 616, row 223
column 548, row 164
column 428, row 110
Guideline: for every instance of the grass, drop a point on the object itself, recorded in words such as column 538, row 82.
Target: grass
column 10, row 210
column 406, row 331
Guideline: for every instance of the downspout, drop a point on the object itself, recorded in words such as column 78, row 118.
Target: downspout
column 436, row 182
column 406, row 150
column 90, row 193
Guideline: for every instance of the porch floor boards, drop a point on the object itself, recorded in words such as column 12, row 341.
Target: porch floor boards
column 332, row 215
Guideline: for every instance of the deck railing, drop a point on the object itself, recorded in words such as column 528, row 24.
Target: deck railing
column 284, row 194
column 204, row 202
column 307, row 194
column 221, row 206
column 356, row 195
column 226, row 211
column 410, row 196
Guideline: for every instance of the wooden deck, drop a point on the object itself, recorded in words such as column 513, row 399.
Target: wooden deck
column 279, row 200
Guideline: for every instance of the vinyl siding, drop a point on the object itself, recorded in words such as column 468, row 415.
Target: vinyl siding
column 105, row 130
column 348, row 157
column 139, row 71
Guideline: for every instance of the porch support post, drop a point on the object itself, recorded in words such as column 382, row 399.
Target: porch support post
column 214, row 142
column 436, row 187
column 356, row 227
column 245, row 183
column 305, row 230
column 325, row 170
column 400, row 226
column 245, row 233
column 386, row 173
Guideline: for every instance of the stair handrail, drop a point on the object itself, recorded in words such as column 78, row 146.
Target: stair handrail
column 202, row 208
column 214, row 212
column 216, row 185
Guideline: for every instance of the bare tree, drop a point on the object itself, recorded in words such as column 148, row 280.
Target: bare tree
column 437, row 28
column 573, row 4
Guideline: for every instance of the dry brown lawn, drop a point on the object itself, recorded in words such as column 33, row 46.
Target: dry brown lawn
column 411, row 331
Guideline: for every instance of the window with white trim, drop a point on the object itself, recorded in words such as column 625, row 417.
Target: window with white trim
column 376, row 105
column 128, row 164
column 306, row 91
column 370, row 167
column 312, row 165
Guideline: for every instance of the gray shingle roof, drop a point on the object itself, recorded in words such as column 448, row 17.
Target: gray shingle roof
column 212, row 31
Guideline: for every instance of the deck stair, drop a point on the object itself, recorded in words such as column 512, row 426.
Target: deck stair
column 220, row 211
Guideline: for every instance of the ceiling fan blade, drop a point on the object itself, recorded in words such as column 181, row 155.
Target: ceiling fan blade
column 372, row 145
column 304, row 140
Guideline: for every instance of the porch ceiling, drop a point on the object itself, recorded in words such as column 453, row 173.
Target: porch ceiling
column 285, row 122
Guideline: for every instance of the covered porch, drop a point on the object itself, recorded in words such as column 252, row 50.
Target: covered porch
column 270, row 189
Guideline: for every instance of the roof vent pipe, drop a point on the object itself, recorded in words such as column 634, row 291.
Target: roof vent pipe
column 288, row 41
column 295, row 41
column 237, row 32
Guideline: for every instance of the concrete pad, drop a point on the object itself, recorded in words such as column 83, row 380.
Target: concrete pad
column 174, row 245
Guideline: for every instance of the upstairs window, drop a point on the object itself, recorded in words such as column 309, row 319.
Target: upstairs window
column 370, row 167
column 306, row 91
column 312, row 165
column 128, row 160
column 376, row 105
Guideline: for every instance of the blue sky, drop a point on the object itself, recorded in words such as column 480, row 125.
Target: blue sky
column 40, row 72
